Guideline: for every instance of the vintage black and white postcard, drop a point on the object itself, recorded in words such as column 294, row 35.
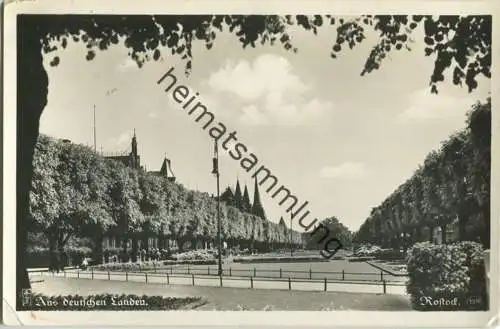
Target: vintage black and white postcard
column 312, row 163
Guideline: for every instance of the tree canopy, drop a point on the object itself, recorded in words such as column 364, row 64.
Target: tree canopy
column 74, row 188
column 451, row 187
column 336, row 230
column 461, row 44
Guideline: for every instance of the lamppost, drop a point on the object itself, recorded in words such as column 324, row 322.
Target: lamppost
column 291, row 244
column 215, row 171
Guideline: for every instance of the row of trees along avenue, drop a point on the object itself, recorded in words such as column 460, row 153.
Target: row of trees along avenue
column 452, row 187
column 77, row 193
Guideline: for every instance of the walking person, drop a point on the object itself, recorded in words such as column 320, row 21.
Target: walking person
column 85, row 264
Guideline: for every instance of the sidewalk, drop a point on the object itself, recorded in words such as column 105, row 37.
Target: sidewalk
column 234, row 282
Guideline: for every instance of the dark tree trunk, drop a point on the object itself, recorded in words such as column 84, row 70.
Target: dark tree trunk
column 443, row 233
column 167, row 242
column 53, row 257
column 417, row 234
column 431, row 233
column 135, row 249
column 462, row 222
column 124, row 255
column 145, row 242
column 97, row 253
column 161, row 241
column 180, row 244
column 60, row 250
column 32, row 84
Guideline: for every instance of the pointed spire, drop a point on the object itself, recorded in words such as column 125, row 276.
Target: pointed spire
column 282, row 221
column 134, row 145
column 227, row 197
column 257, row 208
column 246, row 206
column 166, row 169
column 238, row 198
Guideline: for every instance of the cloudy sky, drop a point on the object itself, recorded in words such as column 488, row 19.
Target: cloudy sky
column 341, row 141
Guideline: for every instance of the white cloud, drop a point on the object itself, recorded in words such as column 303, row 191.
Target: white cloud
column 422, row 105
column 253, row 80
column 346, row 170
column 269, row 92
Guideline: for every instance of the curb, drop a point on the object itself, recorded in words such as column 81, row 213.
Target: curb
column 385, row 269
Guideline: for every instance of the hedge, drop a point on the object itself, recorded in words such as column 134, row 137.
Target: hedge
column 389, row 255
column 40, row 257
column 111, row 302
column 447, row 277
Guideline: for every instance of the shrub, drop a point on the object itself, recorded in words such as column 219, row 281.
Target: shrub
column 447, row 277
column 113, row 302
column 40, row 256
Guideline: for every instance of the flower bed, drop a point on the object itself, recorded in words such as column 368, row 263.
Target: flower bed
column 150, row 265
column 111, row 302
column 201, row 254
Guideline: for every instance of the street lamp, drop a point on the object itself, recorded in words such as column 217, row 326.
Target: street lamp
column 215, row 171
column 291, row 244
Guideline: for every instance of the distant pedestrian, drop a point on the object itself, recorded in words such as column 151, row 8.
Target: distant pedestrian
column 85, row 264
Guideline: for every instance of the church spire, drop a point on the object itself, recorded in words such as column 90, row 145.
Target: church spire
column 282, row 222
column 134, row 145
column 134, row 157
column 246, row 205
column 238, row 198
column 257, row 208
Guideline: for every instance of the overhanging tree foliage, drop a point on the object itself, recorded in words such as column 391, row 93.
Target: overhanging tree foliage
column 459, row 43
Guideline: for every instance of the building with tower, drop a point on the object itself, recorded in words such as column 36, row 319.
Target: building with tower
column 165, row 170
column 133, row 160
column 242, row 201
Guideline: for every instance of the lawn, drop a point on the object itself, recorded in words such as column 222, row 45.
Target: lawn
column 320, row 270
column 231, row 298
